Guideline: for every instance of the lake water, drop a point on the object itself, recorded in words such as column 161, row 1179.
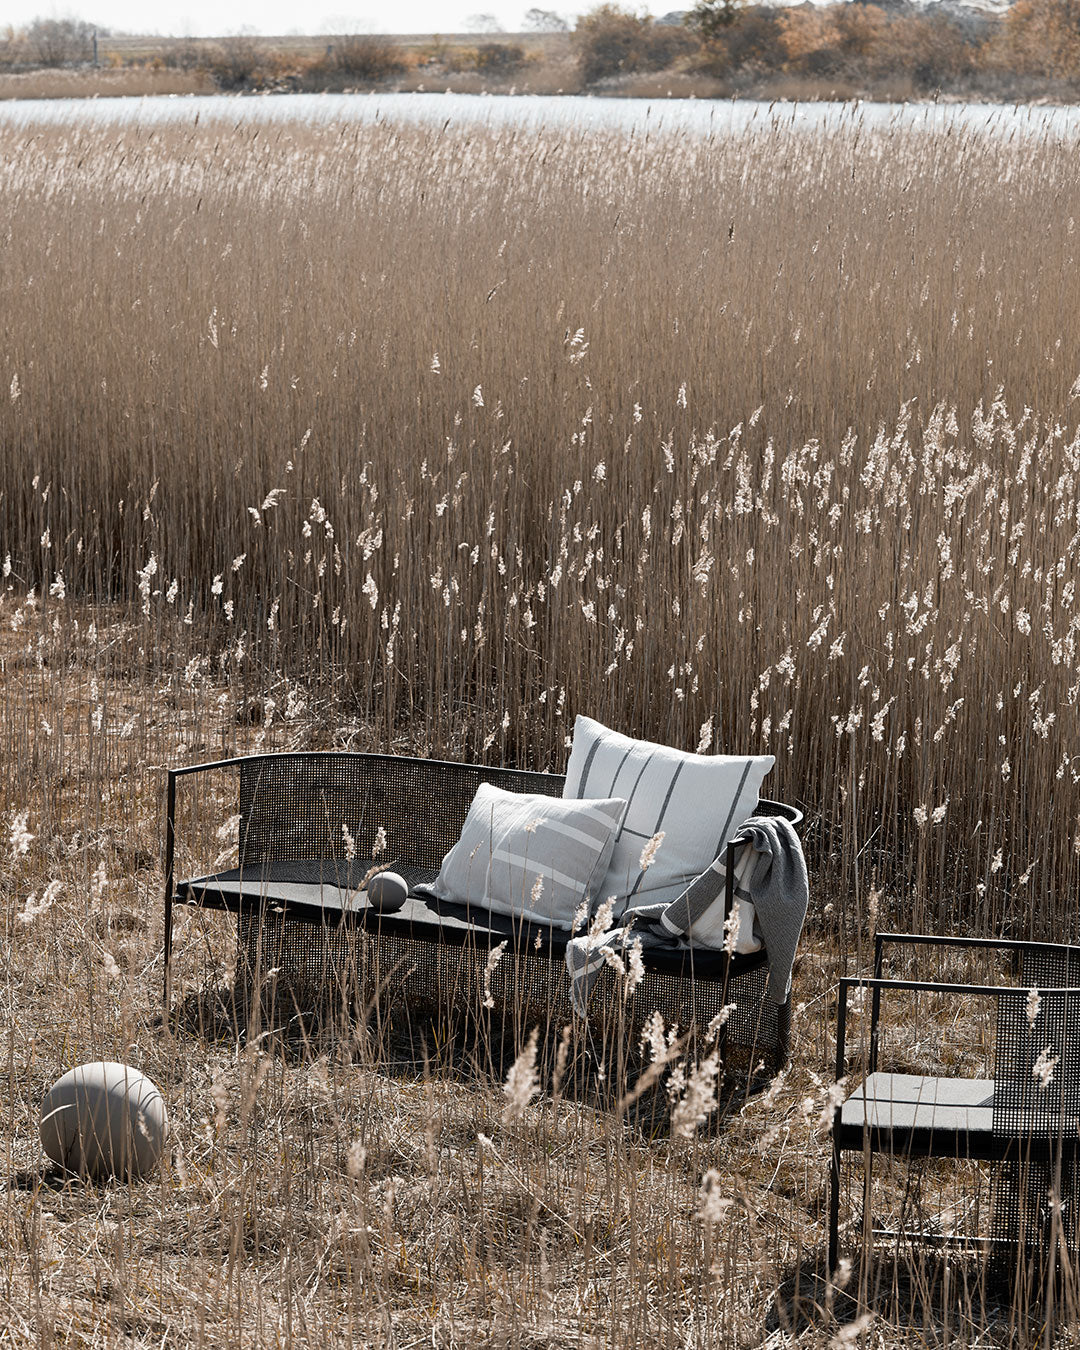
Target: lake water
column 694, row 116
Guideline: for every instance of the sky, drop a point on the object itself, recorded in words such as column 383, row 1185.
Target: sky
column 198, row 18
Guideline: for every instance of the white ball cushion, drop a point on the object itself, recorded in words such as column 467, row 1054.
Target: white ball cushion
column 387, row 892
column 697, row 801
column 104, row 1119
column 529, row 855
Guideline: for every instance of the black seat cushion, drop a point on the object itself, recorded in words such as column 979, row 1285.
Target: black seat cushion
column 328, row 892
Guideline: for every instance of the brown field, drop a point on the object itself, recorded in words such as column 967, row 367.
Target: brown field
column 134, row 82
column 428, row 440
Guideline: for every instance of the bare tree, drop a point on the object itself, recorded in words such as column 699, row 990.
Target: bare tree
column 544, row 21
column 612, row 41
column 58, row 42
column 9, row 45
column 709, row 18
column 239, row 62
column 482, row 23
column 365, row 56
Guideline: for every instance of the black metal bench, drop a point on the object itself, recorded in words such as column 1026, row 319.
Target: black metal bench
column 295, row 890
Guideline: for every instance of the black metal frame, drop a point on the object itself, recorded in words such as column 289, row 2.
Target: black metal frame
column 1020, row 1134
column 712, row 972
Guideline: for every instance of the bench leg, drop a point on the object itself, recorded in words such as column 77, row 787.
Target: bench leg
column 170, row 856
column 834, row 1204
column 167, row 952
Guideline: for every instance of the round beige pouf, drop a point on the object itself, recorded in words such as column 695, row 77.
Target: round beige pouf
column 104, row 1119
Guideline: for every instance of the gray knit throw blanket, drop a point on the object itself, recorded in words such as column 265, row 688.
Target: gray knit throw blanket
column 770, row 872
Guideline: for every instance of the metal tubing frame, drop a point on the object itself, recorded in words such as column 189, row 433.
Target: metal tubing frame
column 170, row 860
column 729, row 901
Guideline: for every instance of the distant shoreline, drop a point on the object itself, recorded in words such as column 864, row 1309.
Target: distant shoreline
column 889, row 52
column 94, row 85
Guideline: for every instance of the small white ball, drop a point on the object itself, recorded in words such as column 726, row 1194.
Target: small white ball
column 387, row 892
column 104, row 1119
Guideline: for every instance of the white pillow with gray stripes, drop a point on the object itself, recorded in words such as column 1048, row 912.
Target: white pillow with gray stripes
column 536, row 857
column 697, row 801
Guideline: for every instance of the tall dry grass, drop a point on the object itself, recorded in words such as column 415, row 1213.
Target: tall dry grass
column 470, row 431
column 430, row 440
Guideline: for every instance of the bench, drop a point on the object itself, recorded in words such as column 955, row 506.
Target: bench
column 301, row 914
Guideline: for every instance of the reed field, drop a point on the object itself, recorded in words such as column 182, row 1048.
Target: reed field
column 427, row 439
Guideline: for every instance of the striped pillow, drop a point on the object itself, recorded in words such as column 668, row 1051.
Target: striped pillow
column 532, row 856
column 697, row 801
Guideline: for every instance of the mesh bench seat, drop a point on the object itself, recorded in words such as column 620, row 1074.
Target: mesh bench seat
column 301, row 910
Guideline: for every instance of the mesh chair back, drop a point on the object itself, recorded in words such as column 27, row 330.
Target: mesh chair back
column 293, row 806
column 1037, row 1104
column 1050, row 967
column 1037, row 1058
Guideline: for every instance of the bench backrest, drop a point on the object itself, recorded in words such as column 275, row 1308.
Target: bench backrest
column 293, row 806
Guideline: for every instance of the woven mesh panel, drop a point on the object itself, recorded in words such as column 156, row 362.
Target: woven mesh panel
column 753, row 1021
column 1024, row 1200
column 1050, row 967
column 301, row 955
column 340, row 966
column 1025, row 1106
column 1036, row 1113
column 767, row 808
column 294, row 806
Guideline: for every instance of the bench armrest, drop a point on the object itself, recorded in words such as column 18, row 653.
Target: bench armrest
column 934, row 940
column 877, row 985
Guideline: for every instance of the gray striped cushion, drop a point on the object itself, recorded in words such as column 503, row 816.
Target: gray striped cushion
column 529, row 855
column 698, row 801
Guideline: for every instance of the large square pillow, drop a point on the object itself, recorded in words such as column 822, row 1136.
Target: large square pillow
column 532, row 856
column 697, row 801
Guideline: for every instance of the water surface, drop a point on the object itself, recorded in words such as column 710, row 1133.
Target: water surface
column 637, row 115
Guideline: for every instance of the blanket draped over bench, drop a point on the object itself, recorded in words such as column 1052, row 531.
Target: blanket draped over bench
column 770, row 875
column 311, row 824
